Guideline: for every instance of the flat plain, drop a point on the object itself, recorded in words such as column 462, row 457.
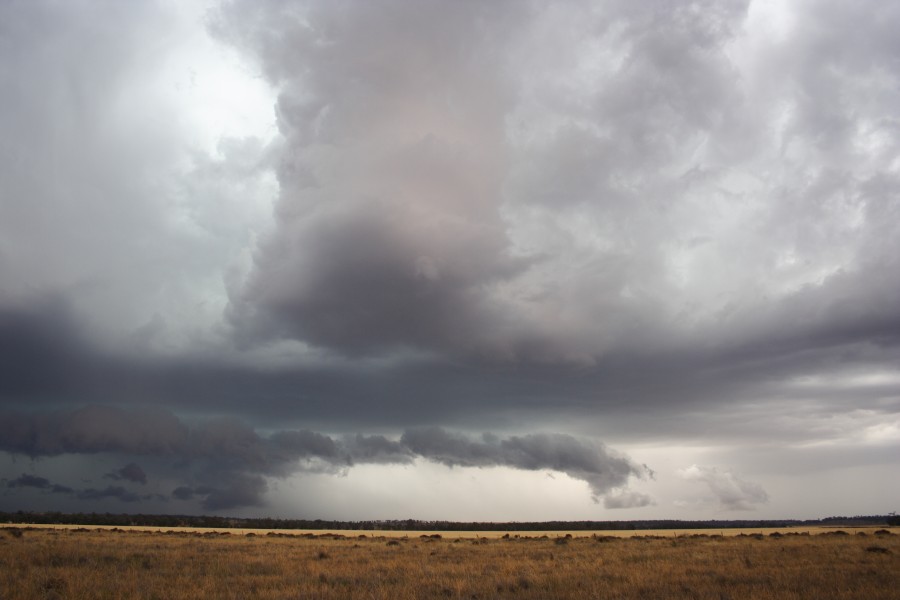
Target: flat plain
column 82, row 563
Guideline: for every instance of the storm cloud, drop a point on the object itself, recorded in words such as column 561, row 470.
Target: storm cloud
column 246, row 246
column 232, row 458
column 130, row 472
column 46, row 486
column 569, row 210
column 601, row 468
column 41, row 483
column 397, row 241
column 112, row 491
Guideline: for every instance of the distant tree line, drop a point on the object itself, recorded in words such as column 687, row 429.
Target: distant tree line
column 119, row 520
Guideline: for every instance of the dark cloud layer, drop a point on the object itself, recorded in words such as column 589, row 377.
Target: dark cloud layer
column 64, row 367
column 130, row 472
column 115, row 492
column 602, row 469
column 232, row 458
column 41, row 483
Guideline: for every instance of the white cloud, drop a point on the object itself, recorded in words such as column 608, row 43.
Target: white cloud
column 728, row 490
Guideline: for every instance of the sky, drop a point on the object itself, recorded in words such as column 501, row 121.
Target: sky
column 499, row 261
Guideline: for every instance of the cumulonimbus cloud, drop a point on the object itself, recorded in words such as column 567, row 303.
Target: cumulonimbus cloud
column 236, row 459
column 439, row 195
column 397, row 240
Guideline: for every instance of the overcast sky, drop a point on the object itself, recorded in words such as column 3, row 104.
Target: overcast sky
column 461, row 260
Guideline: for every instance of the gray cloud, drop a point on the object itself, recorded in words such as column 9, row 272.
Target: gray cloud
column 728, row 490
column 644, row 222
column 600, row 467
column 93, row 429
column 377, row 449
column 130, row 472
column 87, row 494
column 184, row 492
column 110, row 201
column 627, row 499
column 231, row 458
column 396, row 242
column 613, row 207
column 239, row 490
column 41, row 483
column 116, row 492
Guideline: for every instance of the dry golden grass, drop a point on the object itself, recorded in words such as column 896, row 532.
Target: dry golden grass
column 810, row 529
column 76, row 564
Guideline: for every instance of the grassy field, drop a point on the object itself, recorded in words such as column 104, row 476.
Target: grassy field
column 475, row 534
column 96, row 563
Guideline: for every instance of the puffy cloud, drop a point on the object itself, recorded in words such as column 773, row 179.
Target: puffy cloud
column 662, row 180
column 729, row 491
column 627, row 499
column 388, row 229
column 603, row 469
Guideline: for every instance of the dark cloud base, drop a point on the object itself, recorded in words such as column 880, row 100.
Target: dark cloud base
column 232, row 460
column 46, row 361
column 41, row 483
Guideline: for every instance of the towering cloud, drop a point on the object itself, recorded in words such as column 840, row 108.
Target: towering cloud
column 388, row 231
column 454, row 182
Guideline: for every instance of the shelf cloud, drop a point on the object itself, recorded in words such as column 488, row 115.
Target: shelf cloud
column 235, row 460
